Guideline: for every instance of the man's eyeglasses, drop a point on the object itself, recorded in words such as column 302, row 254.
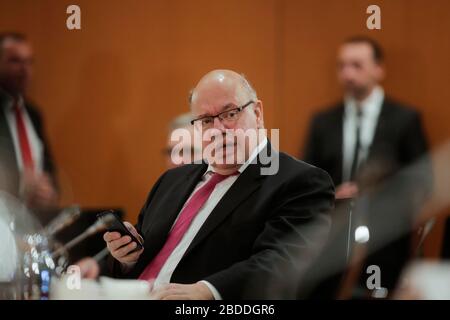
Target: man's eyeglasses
column 228, row 117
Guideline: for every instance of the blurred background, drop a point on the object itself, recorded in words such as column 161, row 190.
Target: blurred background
column 108, row 91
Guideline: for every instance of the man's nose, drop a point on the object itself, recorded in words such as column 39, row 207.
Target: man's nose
column 218, row 124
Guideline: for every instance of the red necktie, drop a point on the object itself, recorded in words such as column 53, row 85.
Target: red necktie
column 24, row 143
column 182, row 224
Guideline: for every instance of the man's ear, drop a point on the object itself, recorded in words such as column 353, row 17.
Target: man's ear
column 258, row 109
column 380, row 72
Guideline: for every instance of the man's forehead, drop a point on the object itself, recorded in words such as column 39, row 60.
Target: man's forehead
column 356, row 50
column 214, row 97
column 11, row 45
column 218, row 92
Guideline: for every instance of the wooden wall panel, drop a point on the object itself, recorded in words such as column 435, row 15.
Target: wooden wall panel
column 109, row 90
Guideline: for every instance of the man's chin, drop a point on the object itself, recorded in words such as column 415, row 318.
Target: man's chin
column 223, row 164
column 227, row 157
column 356, row 92
column 15, row 90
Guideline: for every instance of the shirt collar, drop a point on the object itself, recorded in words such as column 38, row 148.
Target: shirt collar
column 250, row 159
column 369, row 106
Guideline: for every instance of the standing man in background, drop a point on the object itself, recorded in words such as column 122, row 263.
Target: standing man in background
column 26, row 164
column 366, row 139
column 367, row 131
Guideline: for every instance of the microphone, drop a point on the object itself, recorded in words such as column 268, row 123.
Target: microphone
column 63, row 220
column 103, row 223
column 101, row 255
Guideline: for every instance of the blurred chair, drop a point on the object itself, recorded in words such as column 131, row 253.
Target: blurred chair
column 324, row 277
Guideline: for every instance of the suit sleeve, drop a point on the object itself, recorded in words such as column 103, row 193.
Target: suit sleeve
column 311, row 152
column 291, row 238
column 414, row 142
column 418, row 172
column 48, row 161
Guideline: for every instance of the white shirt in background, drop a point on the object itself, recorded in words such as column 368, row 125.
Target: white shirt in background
column 371, row 108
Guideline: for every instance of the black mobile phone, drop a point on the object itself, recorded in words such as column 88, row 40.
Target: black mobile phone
column 118, row 226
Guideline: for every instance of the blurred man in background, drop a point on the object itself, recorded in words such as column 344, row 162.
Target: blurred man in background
column 366, row 139
column 26, row 163
column 367, row 131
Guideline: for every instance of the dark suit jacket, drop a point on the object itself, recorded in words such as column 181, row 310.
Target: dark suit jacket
column 399, row 140
column 399, row 143
column 263, row 227
column 8, row 163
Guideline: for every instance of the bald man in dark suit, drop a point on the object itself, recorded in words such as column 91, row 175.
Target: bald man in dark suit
column 228, row 230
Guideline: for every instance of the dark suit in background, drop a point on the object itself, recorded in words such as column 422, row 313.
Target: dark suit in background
column 261, row 235
column 8, row 162
column 399, row 141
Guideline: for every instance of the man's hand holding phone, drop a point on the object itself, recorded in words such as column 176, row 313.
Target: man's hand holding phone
column 122, row 248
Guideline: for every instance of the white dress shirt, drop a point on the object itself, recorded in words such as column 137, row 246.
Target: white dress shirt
column 370, row 108
column 36, row 145
column 219, row 191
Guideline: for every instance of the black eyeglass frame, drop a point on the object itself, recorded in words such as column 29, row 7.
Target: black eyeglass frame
column 239, row 109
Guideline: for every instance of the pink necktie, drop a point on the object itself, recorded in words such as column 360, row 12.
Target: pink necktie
column 183, row 222
column 24, row 143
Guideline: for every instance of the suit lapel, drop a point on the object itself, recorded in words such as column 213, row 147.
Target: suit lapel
column 380, row 127
column 163, row 218
column 6, row 141
column 247, row 183
column 4, row 127
column 339, row 130
column 5, row 133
